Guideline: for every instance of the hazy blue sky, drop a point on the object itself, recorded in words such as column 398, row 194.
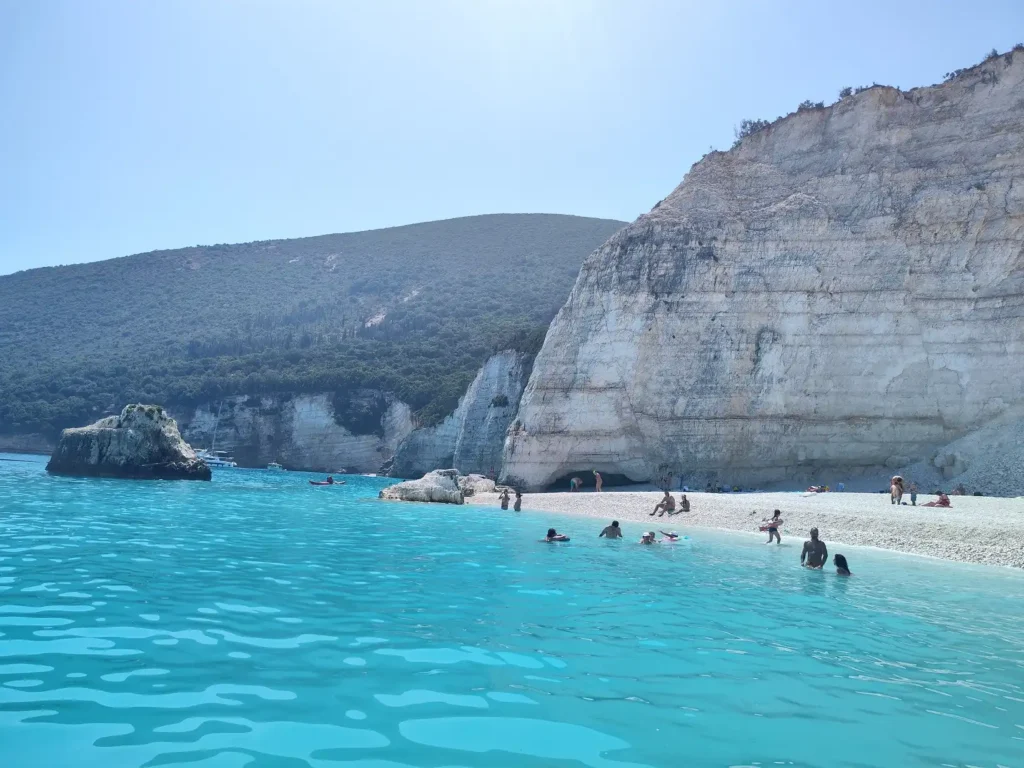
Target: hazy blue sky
column 130, row 126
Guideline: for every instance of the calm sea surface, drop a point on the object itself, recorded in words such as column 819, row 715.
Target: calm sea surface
column 257, row 621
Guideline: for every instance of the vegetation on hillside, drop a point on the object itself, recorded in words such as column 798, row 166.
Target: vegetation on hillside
column 412, row 310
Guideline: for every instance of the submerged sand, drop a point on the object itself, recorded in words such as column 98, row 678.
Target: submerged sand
column 975, row 530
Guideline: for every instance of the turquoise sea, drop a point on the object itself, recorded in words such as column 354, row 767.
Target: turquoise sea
column 257, row 621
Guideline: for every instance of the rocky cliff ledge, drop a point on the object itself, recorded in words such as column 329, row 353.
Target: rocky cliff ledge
column 472, row 437
column 842, row 289
column 142, row 443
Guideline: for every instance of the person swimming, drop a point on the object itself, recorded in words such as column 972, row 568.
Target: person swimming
column 670, row 536
column 648, row 538
column 611, row 531
column 554, row 535
column 842, row 567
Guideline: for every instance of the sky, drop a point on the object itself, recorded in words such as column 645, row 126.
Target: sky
column 132, row 126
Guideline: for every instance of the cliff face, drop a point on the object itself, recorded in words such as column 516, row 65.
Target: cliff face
column 471, row 438
column 301, row 431
column 843, row 289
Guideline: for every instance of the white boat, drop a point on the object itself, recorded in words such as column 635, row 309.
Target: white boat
column 216, row 458
column 275, row 467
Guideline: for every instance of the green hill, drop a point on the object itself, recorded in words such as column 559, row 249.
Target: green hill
column 414, row 310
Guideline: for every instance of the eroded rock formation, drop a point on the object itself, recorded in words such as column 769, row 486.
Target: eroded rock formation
column 142, row 443
column 843, row 289
column 472, row 437
column 441, row 485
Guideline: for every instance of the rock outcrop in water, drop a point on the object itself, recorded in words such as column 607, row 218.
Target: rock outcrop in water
column 845, row 288
column 142, row 443
column 441, row 485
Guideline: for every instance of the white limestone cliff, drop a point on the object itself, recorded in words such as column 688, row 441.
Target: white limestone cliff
column 843, row 289
column 299, row 431
column 470, row 438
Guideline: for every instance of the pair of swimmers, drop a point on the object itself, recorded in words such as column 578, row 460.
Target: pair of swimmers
column 613, row 531
column 815, row 555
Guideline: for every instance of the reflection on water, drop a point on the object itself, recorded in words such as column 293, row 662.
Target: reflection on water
column 257, row 621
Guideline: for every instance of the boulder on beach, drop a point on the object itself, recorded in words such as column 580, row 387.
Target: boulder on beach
column 441, row 485
column 472, row 484
column 142, row 443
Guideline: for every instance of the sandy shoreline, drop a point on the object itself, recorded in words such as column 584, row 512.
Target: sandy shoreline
column 976, row 529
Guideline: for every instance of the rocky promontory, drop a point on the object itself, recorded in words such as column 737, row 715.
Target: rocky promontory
column 143, row 443
column 842, row 289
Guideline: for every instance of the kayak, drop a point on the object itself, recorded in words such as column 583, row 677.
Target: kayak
column 323, row 482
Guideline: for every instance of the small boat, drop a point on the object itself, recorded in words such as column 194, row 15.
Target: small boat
column 218, row 459
column 275, row 467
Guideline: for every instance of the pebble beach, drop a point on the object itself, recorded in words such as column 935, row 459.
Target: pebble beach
column 976, row 529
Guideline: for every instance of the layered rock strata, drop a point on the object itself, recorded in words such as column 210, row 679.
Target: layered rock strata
column 845, row 288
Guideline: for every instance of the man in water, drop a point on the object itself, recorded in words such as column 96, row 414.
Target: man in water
column 611, row 531
column 814, row 552
column 518, row 506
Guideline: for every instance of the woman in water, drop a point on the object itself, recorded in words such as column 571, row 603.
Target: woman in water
column 554, row 535
column 773, row 527
column 842, row 567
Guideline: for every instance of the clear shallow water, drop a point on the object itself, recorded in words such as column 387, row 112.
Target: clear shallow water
column 256, row 621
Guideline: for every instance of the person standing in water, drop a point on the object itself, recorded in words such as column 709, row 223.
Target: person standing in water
column 503, row 498
column 611, row 531
column 518, row 506
column 598, row 482
column 773, row 527
column 815, row 553
column 842, row 567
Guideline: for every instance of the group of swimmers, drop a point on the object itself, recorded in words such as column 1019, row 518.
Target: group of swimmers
column 814, row 554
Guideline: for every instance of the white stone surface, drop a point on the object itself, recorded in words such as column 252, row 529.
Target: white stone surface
column 298, row 431
column 844, row 288
column 470, row 438
column 441, row 486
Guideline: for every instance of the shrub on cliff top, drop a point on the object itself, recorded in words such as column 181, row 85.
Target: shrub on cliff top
column 748, row 127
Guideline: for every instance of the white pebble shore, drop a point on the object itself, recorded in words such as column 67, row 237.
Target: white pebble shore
column 975, row 529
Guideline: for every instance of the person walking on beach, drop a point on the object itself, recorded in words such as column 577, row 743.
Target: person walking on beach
column 815, row 553
column 598, row 482
column 503, row 498
column 773, row 527
column 611, row 531
column 518, row 506
column 667, row 504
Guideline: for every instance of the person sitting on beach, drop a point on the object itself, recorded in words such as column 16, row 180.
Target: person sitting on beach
column 503, row 498
column 575, row 484
column 648, row 538
column 554, row 535
column 667, row 504
column 842, row 567
column 611, row 531
column 815, row 553
column 598, row 481
column 942, row 502
column 670, row 536
column 684, row 504
column 518, row 506
column 772, row 526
